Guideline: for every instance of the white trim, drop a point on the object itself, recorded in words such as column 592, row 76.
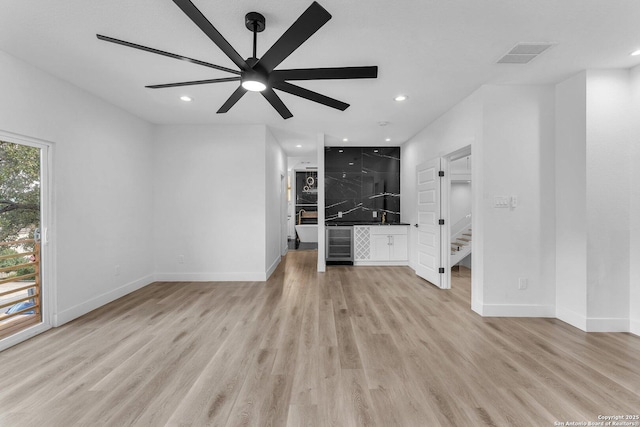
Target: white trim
column 477, row 307
column 572, row 318
column 23, row 335
column 273, row 267
column 211, row 277
column 607, row 325
column 85, row 307
column 634, row 327
column 518, row 310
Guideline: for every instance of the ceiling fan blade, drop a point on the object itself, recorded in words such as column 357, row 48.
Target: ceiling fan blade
column 276, row 103
column 163, row 53
column 311, row 95
column 203, row 23
column 305, row 26
column 326, row 73
column 235, row 97
column 195, row 82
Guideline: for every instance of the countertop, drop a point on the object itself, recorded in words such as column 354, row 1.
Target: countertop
column 351, row 223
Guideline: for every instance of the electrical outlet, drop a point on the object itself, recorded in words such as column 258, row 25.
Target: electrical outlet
column 116, row 270
column 514, row 202
column 375, row 214
column 180, row 259
column 340, row 214
column 522, row 283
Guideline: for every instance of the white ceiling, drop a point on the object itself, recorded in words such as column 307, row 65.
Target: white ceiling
column 435, row 51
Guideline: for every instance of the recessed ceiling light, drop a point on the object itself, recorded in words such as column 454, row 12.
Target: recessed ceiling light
column 375, row 151
column 185, row 98
column 350, row 163
column 298, row 146
column 388, row 139
column 340, row 151
column 400, row 98
column 636, row 53
column 345, row 139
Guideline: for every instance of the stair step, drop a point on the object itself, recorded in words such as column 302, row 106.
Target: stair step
column 464, row 239
column 462, row 244
column 466, row 234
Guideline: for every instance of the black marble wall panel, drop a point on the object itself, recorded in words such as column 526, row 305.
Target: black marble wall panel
column 361, row 180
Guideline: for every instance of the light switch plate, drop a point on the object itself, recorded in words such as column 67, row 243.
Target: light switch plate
column 501, row 202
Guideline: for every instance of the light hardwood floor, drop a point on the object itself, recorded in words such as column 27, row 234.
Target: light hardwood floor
column 356, row 346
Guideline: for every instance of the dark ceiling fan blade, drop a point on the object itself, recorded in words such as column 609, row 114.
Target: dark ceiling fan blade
column 311, row 95
column 203, row 23
column 326, row 73
column 276, row 103
column 305, row 26
column 168, row 54
column 235, row 97
column 194, row 82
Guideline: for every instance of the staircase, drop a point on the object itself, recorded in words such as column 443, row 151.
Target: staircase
column 461, row 241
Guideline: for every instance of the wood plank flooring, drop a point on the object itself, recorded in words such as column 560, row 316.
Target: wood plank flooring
column 356, row 346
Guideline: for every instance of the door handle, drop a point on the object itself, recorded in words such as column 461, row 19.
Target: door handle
column 415, row 225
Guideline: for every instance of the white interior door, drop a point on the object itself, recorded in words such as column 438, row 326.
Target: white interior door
column 429, row 230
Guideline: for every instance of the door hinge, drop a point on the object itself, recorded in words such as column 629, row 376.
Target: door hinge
column 441, row 221
column 441, row 173
column 441, row 270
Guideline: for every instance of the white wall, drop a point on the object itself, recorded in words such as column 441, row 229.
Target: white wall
column 103, row 184
column 571, row 201
column 275, row 202
column 209, row 202
column 608, row 188
column 518, row 159
column 634, row 208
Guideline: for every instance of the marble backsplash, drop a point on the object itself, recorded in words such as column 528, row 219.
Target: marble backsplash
column 360, row 181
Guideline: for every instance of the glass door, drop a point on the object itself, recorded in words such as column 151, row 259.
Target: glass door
column 20, row 225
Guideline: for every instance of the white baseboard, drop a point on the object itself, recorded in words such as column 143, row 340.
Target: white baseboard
column 634, row 327
column 211, row 277
column 572, row 318
column 518, row 310
column 607, row 325
column 272, row 268
column 83, row 308
column 477, row 307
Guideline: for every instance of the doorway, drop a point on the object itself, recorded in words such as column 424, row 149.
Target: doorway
column 444, row 235
column 23, row 238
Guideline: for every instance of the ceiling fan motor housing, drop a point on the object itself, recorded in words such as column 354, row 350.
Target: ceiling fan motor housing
column 254, row 21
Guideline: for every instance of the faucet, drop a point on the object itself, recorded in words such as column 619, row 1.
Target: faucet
column 384, row 217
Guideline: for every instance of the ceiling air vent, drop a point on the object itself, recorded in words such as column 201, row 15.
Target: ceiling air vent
column 523, row 53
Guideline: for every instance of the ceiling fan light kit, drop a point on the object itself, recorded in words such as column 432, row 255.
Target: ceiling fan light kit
column 259, row 74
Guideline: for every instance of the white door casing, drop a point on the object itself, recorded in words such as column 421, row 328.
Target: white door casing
column 429, row 231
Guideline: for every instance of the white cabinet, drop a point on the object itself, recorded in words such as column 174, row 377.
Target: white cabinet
column 381, row 245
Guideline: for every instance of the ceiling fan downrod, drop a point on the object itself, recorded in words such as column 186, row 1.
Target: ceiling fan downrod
column 255, row 23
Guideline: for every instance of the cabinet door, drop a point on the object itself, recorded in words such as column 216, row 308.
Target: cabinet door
column 361, row 243
column 380, row 247
column 398, row 250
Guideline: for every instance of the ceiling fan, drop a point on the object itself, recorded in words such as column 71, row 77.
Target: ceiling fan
column 259, row 74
